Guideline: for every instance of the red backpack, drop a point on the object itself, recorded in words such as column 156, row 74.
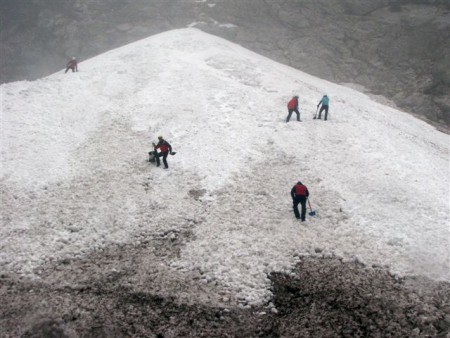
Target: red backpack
column 300, row 190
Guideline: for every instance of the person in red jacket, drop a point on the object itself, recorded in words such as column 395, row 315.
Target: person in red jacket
column 72, row 64
column 293, row 107
column 165, row 148
column 299, row 195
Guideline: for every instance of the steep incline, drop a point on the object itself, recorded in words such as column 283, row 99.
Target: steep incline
column 398, row 49
column 75, row 177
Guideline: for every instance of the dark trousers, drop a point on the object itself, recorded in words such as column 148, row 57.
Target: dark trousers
column 67, row 69
column 290, row 113
column 299, row 200
column 164, row 156
column 326, row 111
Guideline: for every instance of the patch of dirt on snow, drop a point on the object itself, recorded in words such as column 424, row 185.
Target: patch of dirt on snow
column 129, row 292
column 197, row 193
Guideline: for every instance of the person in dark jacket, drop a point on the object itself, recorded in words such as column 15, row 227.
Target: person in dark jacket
column 293, row 107
column 325, row 101
column 165, row 148
column 72, row 64
column 299, row 195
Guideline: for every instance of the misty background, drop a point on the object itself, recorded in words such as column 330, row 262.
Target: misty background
column 399, row 50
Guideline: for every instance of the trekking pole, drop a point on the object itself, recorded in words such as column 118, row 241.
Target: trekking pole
column 312, row 213
column 315, row 116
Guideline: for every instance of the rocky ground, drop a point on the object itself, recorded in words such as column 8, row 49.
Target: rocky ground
column 128, row 291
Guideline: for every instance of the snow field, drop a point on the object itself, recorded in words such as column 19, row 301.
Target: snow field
column 75, row 178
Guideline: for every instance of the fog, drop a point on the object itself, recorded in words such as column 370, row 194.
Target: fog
column 393, row 49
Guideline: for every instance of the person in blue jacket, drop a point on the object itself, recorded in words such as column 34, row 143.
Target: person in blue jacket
column 325, row 104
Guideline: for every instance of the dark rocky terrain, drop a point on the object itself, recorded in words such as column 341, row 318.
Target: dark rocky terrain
column 113, row 294
column 396, row 49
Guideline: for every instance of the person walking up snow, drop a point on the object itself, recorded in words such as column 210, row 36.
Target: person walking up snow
column 165, row 148
column 72, row 64
column 299, row 194
column 293, row 107
column 325, row 101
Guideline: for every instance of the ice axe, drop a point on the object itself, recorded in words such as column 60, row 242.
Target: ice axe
column 311, row 213
column 315, row 115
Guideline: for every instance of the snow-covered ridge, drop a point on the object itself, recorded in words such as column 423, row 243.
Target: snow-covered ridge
column 74, row 176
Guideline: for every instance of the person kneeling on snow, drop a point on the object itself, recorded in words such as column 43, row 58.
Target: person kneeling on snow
column 299, row 194
column 165, row 148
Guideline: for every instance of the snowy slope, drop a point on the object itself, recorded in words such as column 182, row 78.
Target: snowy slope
column 74, row 174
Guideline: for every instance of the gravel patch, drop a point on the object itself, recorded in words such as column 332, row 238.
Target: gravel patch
column 129, row 292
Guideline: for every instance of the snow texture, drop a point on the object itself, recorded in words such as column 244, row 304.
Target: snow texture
column 75, row 176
